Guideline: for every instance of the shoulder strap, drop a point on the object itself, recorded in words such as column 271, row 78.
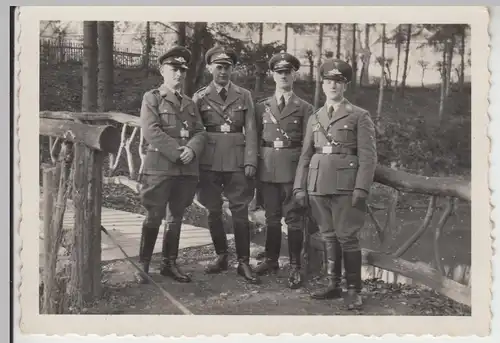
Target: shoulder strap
column 276, row 122
column 323, row 130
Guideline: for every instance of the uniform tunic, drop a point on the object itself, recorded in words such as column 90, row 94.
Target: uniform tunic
column 330, row 179
column 225, row 157
column 164, row 120
column 277, row 166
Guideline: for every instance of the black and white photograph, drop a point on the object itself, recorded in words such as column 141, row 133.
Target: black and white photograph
column 265, row 168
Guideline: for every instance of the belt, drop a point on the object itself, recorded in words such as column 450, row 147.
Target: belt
column 336, row 150
column 226, row 128
column 282, row 144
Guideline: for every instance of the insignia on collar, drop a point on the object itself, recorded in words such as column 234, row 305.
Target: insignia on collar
column 180, row 59
column 333, row 72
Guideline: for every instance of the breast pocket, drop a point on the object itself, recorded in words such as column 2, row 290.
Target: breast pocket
column 168, row 119
column 346, row 134
column 294, row 123
column 238, row 111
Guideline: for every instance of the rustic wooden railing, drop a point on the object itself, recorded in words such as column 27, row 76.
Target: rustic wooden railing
column 120, row 146
column 77, row 155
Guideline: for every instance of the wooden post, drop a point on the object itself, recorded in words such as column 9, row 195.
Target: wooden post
column 49, row 190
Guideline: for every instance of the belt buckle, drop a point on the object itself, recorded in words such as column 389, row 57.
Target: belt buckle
column 278, row 144
column 225, row 128
column 184, row 133
column 327, row 149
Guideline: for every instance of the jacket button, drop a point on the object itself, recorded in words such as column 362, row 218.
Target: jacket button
column 156, row 149
column 277, row 129
column 345, row 126
column 351, row 164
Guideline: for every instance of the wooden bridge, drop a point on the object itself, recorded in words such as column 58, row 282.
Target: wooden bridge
column 79, row 143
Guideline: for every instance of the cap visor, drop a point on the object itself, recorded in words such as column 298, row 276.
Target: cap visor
column 222, row 62
column 282, row 68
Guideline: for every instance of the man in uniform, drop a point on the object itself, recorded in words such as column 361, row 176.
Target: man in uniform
column 172, row 127
column 335, row 171
column 281, row 122
column 229, row 161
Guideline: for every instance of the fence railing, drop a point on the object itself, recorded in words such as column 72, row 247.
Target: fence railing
column 101, row 132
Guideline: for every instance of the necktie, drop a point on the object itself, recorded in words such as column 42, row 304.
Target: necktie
column 178, row 96
column 281, row 105
column 330, row 112
column 223, row 94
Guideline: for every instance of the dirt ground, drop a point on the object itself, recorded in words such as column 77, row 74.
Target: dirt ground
column 227, row 294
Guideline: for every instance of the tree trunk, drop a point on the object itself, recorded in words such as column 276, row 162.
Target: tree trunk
column 449, row 64
column 462, row 60
column 105, row 75
column 339, row 36
column 407, row 54
column 147, row 50
column 195, row 72
column 259, row 79
column 286, row 36
column 318, row 78
column 181, row 33
column 365, row 75
column 354, row 59
column 398, row 46
column 443, row 85
column 382, row 79
column 89, row 72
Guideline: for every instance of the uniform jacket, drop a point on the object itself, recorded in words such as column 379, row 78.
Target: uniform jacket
column 161, row 122
column 228, row 152
column 279, row 165
column 320, row 174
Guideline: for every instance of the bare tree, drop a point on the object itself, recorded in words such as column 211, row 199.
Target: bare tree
column 423, row 64
column 318, row 78
column 339, row 36
column 106, row 65
column 364, row 78
column 286, row 36
column 181, row 33
column 407, row 54
column 354, row 58
column 398, row 41
column 382, row 79
column 89, row 67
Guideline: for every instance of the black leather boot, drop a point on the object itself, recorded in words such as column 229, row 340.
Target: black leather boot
column 170, row 251
column 242, row 242
column 219, row 239
column 146, row 248
column 294, row 249
column 338, row 262
column 332, row 290
column 272, row 252
column 245, row 270
column 352, row 262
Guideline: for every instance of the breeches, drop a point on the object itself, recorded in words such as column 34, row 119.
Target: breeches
column 336, row 217
column 279, row 202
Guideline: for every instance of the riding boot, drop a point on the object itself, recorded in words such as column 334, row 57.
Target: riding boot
column 332, row 290
column 272, row 251
column 146, row 248
column 242, row 241
column 219, row 240
column 352, row 262
column 170, row 251
column 295, row 249
column 338, row 261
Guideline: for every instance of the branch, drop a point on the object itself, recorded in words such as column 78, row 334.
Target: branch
column 118, row 117
column 410, row 183
column 419, row 272
column 430, row 212
column 104, row 138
